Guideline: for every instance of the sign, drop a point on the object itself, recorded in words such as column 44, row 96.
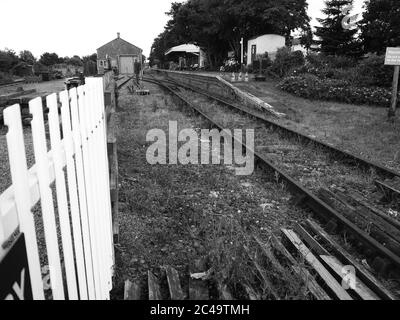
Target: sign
column 392, row 57
column 15, row 283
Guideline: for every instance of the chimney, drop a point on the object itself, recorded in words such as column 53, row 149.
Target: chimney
column 118, row 34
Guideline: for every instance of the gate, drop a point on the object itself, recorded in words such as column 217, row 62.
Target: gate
column 77, row 222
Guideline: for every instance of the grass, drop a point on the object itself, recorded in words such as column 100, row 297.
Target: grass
column 176, row 215
column 363, row 130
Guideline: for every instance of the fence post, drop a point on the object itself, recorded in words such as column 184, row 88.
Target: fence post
column 19, row 175
column 110, row 98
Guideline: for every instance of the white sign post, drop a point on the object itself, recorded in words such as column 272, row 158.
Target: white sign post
column 393, row 59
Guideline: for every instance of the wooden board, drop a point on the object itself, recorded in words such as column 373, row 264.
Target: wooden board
column 131, row 291
column 154, row 287
column 346, row 258
column 360, row 200
column 360, row 288
column 317, row 265
column 175, row 289
column 320, row 250
column 311, row 284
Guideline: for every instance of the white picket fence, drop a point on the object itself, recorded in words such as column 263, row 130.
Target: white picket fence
column 79, row 167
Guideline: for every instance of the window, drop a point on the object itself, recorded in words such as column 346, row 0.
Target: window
column 101, row 63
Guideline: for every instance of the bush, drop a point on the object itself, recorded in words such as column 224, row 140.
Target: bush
column 373, row 72
column 286, row 61
column 5, row 78
column 322, row 61
column 312, row 87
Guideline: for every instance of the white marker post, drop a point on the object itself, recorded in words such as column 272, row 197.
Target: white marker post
column 393, row 59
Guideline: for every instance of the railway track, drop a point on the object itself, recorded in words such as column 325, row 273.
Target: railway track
column 344, row 207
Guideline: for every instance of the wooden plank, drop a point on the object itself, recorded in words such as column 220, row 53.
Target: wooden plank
column 111, row 127
column 320, row 250
column 360, row 288
column 371, row 224
column 267, row 283
column 175, row 289
column 82, row 194
column 359, row 199
column 314, row 262
column 346, row 258
column 131, row 291
column 311, row 284
column 73, row 194
column 22, row 192
column 46, row 198
column 154, row 287
column 390, row 192
column 62, row 199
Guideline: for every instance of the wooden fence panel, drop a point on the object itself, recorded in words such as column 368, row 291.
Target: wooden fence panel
column 83, row 202
column 82, row 199
column 46, row 197
column 73, row 194
column 22, row 194
column 62, row 201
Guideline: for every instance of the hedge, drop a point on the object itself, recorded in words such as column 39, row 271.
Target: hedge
column 312, row 87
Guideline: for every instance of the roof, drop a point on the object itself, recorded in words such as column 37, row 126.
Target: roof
column 190, row 48
column 267, row 34
column 118, row 38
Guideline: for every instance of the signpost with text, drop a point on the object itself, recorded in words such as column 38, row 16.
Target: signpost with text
column 14, row 273
column 393, row 59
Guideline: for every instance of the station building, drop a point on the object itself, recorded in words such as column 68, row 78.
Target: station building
column 119, row 54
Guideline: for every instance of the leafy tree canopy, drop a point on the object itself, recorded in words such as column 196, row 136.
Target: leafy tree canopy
column 380, row 27
column 218, row 25
column 333, row 38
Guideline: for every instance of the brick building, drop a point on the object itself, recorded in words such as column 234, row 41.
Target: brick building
column 120, row 54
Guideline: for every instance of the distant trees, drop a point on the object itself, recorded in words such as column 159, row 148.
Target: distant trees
column 218, row 25
column 90, row 64
column 27, row 56
column 8, row 59
column 75, row 61
column 333, row 39
column 380, row 27
column 49, row 59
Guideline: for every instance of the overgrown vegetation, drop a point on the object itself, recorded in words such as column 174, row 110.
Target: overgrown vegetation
column 342, row 79
column 218, row 26
column 25, row 64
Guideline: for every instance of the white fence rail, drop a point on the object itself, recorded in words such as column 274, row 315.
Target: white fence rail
column 77, row 164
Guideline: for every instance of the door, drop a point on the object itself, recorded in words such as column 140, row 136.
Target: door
column 126, row 65
column 253, row 53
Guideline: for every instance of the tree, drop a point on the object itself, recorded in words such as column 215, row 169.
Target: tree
column 75, row 61
column 27, row 57
column 8, row 59
column 49, row 59
column 380, row 27
column 218, row 25
column 307, row 38
column 333, row 38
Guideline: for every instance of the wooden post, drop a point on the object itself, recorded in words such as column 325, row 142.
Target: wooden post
column 392, row 110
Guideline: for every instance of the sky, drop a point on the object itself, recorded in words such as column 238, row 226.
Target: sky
column 81, row 26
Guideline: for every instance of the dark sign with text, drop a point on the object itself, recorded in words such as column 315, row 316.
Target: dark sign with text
column 15, row 283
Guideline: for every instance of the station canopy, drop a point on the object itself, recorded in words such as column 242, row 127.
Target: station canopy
column 188, row 48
